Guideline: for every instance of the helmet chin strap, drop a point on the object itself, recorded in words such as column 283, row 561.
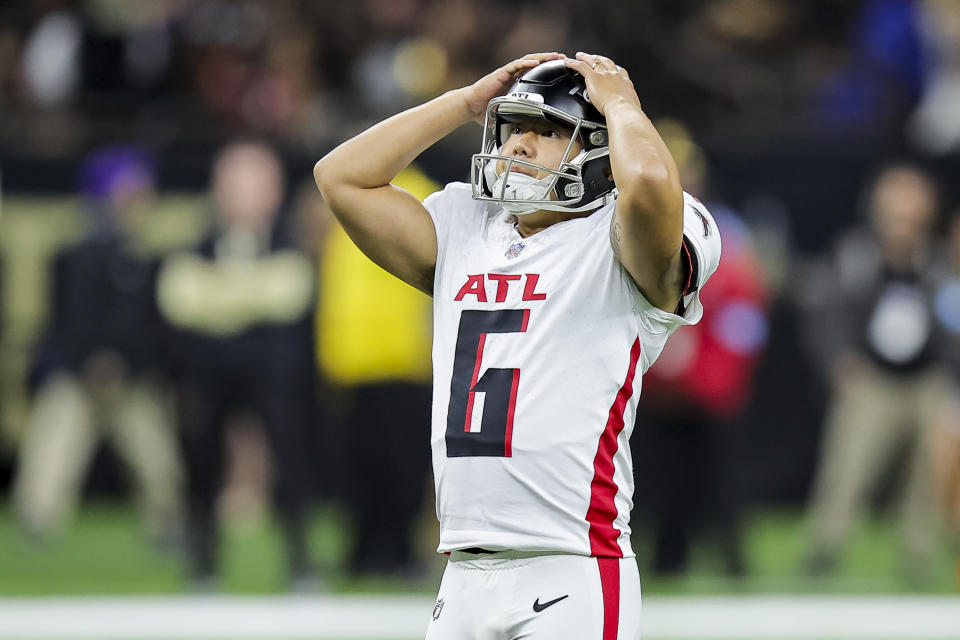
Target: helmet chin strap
column 519, row 186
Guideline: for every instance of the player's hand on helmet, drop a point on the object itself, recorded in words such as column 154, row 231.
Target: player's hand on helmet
column 607, row 82
column 499, row 81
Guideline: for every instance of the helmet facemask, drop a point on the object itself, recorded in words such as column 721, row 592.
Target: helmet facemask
column 580, row 183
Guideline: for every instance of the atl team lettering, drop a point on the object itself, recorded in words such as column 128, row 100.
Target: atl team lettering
column 477, row 286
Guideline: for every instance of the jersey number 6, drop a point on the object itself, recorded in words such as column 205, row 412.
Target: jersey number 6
column 499, row 387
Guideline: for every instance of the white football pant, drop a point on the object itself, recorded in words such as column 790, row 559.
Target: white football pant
column 512, row 595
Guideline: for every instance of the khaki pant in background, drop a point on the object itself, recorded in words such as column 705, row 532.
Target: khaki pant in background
column 65, row 426
column 875, row 415
column 946, row 457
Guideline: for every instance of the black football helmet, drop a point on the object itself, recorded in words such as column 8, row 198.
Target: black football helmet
column 555, row 93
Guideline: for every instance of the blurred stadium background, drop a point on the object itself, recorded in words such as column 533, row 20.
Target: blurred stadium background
column 172, row 314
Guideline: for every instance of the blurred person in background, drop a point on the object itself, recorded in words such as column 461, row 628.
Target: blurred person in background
column 689, row 441
column 935, row 123
column 4, row 303
column 876, row 333
column 946, row 449
column 373, row 335
column 884, row 71
column 97, row 370
column 240, row 303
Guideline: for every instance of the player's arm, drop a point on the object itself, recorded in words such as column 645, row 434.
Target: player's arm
column 387, row 223
column 647, row 227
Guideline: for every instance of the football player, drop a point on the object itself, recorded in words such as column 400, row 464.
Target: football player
column 556, row 275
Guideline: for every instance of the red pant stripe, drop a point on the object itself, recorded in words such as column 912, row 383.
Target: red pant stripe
column 610, row 584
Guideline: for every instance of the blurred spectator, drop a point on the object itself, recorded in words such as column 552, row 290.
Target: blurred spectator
column 885, row 357
column 4, row 304
column 935, row 123
column 689, row 447
column 946, row 464
column 96, row 372
column 946, row 449
column 886, row 70
column 51, row 61
column 374, row 337
column 241, row 303
column 199, row 69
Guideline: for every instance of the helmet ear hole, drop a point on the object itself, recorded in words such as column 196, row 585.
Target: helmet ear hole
column 598, row 138
column 573, row 190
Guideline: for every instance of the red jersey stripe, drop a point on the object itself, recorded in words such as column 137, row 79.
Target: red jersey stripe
column 603, row 490
column 508, row 440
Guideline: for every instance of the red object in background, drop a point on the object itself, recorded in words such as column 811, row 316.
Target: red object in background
column 711, row 364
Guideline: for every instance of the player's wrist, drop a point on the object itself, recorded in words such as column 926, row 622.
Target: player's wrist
column 471, row 106
column 620, row 104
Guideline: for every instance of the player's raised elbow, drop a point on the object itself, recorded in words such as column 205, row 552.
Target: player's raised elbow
column 322, row 175
column 334, row 187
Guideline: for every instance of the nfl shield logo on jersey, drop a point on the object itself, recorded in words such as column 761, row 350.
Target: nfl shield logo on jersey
column 514, row 250
column 437, row 608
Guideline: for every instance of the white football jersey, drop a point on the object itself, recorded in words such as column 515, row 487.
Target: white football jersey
column 539, row 346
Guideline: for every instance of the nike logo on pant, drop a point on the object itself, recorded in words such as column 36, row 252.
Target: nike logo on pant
column 537, row 607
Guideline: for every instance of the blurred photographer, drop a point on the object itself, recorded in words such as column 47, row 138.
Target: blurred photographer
column 241, row 305
column 875, row 328
column 97, row 371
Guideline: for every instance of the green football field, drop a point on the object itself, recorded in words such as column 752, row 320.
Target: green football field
column 103, row 552
column 101, row 580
